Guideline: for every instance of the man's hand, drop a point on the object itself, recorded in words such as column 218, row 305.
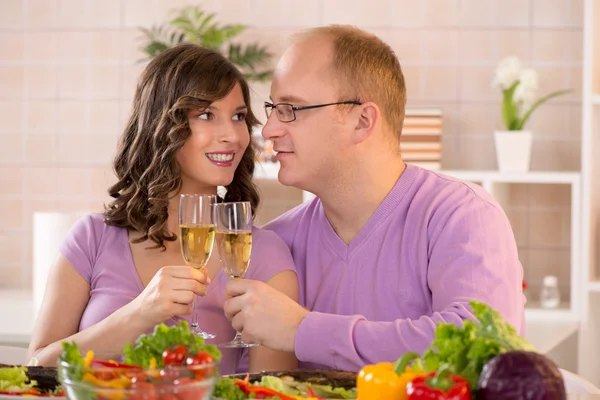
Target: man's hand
column 263, row 314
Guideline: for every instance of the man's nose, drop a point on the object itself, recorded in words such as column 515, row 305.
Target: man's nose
column 273, row 128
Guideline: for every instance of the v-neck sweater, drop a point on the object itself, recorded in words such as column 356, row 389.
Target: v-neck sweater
column 431, row 246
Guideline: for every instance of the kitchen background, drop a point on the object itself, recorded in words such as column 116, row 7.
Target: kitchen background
column 68, row 70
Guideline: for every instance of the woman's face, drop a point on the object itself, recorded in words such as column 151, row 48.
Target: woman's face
column 219, row 137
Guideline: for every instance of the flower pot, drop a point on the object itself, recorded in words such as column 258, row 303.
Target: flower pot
column 513, row 150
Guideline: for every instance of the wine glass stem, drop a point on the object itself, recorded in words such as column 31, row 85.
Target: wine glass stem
column 194, row 324
column 238, row 338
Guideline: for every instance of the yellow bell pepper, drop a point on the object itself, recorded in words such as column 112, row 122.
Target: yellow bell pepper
column 386, row 380
column 117, row 383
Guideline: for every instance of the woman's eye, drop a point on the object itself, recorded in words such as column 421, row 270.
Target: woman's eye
column 206, row 115
column 239, row 117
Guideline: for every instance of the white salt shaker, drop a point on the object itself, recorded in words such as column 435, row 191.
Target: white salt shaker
column 550, row 296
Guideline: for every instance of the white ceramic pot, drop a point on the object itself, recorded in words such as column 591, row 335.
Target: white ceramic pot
column 513, row 150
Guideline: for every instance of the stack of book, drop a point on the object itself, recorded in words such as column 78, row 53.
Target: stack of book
column 421, row 139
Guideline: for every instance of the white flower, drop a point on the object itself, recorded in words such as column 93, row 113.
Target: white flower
column 524, row 94
column 507, row 72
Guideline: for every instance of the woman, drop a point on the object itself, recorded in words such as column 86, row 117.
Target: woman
column 121, row 272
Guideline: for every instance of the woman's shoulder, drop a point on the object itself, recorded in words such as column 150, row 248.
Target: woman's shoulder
column 270, row 255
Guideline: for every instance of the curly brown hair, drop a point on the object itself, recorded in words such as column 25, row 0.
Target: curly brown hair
column 183, row 78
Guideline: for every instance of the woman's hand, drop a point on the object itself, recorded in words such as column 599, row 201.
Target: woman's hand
column 170, row 293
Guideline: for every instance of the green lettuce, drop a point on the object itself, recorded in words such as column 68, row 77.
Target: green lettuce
column 14, row 379
column 468, row 348
column 152, row 346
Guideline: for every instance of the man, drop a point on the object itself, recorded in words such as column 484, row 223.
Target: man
column 386, row 250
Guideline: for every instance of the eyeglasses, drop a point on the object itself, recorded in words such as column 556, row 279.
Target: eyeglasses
column 287, row 112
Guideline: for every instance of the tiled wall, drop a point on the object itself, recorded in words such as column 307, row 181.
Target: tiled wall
column 68, row 69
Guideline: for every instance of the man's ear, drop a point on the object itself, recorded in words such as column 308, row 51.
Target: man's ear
column 368, row 118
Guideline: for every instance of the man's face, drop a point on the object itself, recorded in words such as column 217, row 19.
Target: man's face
column 310, row 149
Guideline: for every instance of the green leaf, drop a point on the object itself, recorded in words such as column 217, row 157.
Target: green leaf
column 192, row 25
column 538, row 103
column 468, row 348
column 164, row 337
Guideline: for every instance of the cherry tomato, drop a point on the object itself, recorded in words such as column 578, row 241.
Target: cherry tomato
column 174, row 356
column 167, row 396
column 201, row 358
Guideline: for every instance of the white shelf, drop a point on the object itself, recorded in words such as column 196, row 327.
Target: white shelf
column 269, row 170
column 534, row 315
column 516, row 177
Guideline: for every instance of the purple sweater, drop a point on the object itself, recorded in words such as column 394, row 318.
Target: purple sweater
column 432, row 245
column 101, row 255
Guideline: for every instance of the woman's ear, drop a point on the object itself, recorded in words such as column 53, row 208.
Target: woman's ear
column 367, row 119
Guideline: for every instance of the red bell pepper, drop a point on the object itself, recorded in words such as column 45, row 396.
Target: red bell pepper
column 259, row 391
column 113, row 364
column 440, row 385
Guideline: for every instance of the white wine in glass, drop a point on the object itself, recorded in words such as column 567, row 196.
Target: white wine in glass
column 234, row 251
column 234, row 244
column 197, row 243
column 197, row 231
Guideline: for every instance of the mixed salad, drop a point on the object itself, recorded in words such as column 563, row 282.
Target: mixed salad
column 483, row 360
column 170, row 364
column 272, row 387
column 14, row 381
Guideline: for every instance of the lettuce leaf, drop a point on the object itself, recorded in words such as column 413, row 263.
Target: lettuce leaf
column 152, row 346
column 14, row 379
column 468, row 348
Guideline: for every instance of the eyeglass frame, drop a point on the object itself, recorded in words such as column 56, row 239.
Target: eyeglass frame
column 295, row 108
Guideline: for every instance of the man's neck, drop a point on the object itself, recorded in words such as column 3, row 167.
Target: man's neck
column 356, row 196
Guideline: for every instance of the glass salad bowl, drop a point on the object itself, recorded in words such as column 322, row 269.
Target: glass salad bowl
column 193, row 377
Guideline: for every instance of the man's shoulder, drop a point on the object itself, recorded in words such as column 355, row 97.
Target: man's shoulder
column 443, row 189
column 287, row 224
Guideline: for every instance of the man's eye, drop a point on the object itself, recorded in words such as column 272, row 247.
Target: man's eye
column 206, row 115
column 240, row 117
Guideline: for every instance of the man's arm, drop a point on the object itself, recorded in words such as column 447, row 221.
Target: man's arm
column 472, row 255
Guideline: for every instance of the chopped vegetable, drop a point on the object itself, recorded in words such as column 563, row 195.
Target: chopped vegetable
column 14, row 379
column 387, row 380
column 148, row 347
column 440, row 385
column 226, row 389
column 260, row 391
column 468, row 348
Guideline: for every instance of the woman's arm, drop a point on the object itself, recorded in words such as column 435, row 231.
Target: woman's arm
column 261, row 358
column 169, row 293
column 65, row 299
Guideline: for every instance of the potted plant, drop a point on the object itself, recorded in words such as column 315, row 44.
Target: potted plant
column 192, row 25
column 518, row 85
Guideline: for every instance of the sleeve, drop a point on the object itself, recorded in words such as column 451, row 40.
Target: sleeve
column 472, row 254
column 270, row 256
column 80, row 245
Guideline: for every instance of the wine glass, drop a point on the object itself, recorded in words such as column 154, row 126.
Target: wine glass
column 197, row 238
column 234, row 244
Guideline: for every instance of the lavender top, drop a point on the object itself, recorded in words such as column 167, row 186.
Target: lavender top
column 101, row 255
column 431, row 246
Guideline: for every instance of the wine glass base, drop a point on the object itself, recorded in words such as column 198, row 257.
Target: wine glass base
column 236, row 345
column 204, row 335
